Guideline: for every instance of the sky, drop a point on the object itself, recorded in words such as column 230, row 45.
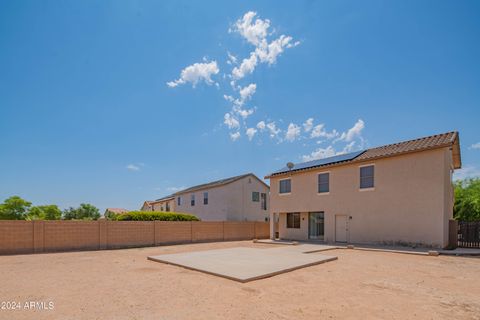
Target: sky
column 117, row 102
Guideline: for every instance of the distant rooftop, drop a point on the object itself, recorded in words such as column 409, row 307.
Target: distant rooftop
column 420, row 144
column 217, row 183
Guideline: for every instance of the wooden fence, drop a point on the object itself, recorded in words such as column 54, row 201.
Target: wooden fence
column 469, row 234
column 50, row 236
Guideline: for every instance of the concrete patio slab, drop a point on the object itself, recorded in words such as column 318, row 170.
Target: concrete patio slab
column 244, row 264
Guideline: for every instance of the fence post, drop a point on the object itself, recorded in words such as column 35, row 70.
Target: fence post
column 38, row 236
column 452, row 234
column 102, row 234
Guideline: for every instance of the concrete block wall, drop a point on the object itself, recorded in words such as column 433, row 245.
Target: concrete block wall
column 173, row 232
column 17, row 237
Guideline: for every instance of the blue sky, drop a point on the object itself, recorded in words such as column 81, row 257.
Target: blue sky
column 87, row 113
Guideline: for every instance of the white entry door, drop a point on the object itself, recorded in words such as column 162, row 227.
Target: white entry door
column 341, row 228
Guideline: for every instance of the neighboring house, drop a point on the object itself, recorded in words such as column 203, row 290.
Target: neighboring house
column 400, row 193
column 114, row 211
column 164, row 204
column 240, row 198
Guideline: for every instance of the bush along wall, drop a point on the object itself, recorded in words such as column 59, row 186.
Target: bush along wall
column 155, row 215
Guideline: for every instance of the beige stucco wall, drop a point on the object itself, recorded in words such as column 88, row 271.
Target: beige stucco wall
column 411, row 202
column 230, row 202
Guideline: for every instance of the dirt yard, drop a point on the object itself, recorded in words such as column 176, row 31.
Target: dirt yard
column 123, row 284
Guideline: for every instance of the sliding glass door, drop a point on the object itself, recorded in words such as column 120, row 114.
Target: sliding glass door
column 316, row 226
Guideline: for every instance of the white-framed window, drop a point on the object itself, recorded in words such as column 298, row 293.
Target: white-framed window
column 192, row 200
column 179, row 201
column 367, row 177
column 285, row 186
column 255, row 196
column 324, row 182
column 264, row 201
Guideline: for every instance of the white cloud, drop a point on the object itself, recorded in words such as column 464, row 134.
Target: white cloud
column 293, row 132
column 244, row 113
column 320, row 153
column 195, row 73
column 475, row 146
column 353, row 132
column 261, row 125
column 175, row 189
column 272, row 128
column 133, row 167
column 231, row 121
column 268, row 52
column 308, row 125
column 228, row 98
column 250, row 133
column 348, row 148
column 246, row 67
column 467, row 171
column 253, row 31
column 235, row 136
column 319, row 131
column 246, row 94
column 231, row 59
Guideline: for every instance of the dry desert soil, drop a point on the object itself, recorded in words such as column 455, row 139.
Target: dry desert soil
column 123, row 284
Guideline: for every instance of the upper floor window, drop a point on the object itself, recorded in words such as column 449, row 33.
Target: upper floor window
column 192, row 200
column 255, row 196
column 264, row 201
column 285, row 186
column 205, row 198
column 293, row 220
column 324, row 182
column 179, row 201
column 367, row 177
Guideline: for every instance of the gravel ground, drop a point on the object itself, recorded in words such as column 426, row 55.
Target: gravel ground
column 123, row 284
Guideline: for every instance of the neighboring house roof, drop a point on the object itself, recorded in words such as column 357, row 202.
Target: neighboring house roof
column 116, row 210
column 164, row 198
column 449, row 139
column 218, row 183
column 152, row 202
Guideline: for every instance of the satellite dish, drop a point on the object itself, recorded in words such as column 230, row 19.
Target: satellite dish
column 290, row 165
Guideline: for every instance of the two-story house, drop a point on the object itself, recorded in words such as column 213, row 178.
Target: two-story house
column 400, row 193
column 239, row 198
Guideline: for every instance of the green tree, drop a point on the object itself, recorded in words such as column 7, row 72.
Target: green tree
column 48, row 212
column 14, row 208
column 84, row 212
column 467, row 200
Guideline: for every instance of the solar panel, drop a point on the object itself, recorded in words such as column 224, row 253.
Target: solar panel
column 321, row 162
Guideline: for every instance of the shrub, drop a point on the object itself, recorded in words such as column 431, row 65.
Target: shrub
column 155, row 215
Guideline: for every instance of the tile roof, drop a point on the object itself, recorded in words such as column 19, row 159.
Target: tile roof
column 420, row 144
column 435, row 141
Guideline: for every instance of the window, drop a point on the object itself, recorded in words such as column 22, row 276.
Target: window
column 161, row 208
column 264, row 201
column 255, row 196
column 167, row 207
column 293, row 220
column 285, row 186
column 324, row 182
column 367, row 177
column 179, row 201
column 192, row 200
column 205, row 198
